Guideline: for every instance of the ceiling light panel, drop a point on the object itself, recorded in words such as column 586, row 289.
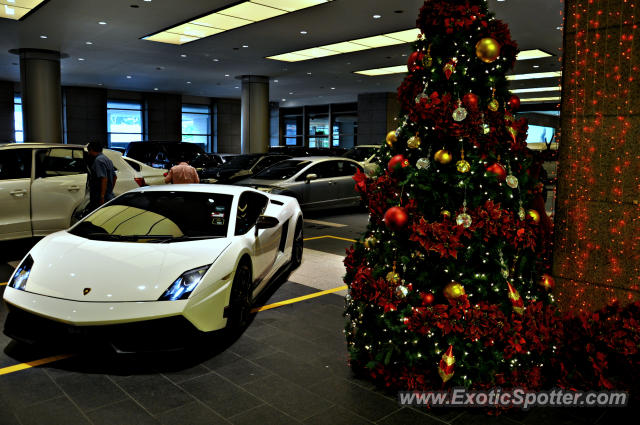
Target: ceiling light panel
column 532, row 54
column 541, row 99
column 16, row 9
column 345, row 47
column 535, row 75
column 238, row 15
column 408, row 36
column 383, row 71
column 535, row 90
column 290, row 57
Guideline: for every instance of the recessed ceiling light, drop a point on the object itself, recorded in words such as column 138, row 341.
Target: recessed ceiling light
column 333, row 88
column 102, row 23
column 559, row 27
column 376, row 16
column 99, row 84
column 216, row 60
column 303, row 32
column 129, row 77
column 188, row 82
column 226, row 75
column 275, row 81
column 404, row 55
column 284, row 100
column 308, row 73
column 43, row 36
column 155, row 89
column 183, row 55
column 236, row 87
column 245, row 46
column 536, row 66
column 80, row 59
column 147, row 0
column 88, row 42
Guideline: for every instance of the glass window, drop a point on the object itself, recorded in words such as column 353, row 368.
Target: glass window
column 124, row 123
column 345, row 130
column 282, row 170
column 293, row 130
column 251, row 205
column 149, row 216
column 15, row 164
column 59, row 162
column 319, row 131
column 196, row 125
column 17, row 119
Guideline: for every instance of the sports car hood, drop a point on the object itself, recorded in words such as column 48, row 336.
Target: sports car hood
column 70, row 267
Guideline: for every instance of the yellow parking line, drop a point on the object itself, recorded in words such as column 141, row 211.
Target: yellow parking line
column 3, row 283
column 330, row 236
column 34, row 363
column 298, row 299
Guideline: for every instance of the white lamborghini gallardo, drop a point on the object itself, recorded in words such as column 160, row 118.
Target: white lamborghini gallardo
column 156, row 264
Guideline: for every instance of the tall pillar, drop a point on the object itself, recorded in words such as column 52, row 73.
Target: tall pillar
column 597, row 225
column 377, row 115
column 255, row 114
column 41, row 95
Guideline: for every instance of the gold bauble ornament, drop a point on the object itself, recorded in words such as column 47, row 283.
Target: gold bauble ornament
column 453, row 290
column 370, row 242
column 414, row 142
column 463, row 166
column 535, row 215
column 391, row 138
column 487, row 50
column 445, row 213
column 443, row 156
column 393, row 277
column 493, row 105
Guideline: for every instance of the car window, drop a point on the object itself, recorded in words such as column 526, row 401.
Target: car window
column 282, row 170
column 326, row 170
column 59, row 162
column 15, row 164
column 133, row 164
column 348, row 168
column 161, row 213
column 251, row 205
column 267, row 161
column 318, row 170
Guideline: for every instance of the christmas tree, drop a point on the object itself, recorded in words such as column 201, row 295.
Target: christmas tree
column 448, row 285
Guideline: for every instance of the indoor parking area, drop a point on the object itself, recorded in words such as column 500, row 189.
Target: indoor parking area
column 319, row 212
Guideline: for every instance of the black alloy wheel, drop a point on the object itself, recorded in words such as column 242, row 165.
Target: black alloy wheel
column 241, row 297
column 297, row 248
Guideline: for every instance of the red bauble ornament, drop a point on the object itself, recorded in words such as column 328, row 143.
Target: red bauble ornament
column 514, row 103
column 396, row 218
column 498, row 170
column 415, row 61
column 471, row 101
column 397, row 162
column 428, row 298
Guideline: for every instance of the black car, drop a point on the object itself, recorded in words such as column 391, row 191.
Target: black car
column 167, row 154
column 305, row 151
column 240, row 167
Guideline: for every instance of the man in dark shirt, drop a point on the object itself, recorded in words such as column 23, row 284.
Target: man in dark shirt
column 102, row 176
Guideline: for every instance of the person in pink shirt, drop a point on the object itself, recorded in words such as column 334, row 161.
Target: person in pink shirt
column 182, row 173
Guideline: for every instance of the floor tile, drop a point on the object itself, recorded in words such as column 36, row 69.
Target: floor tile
column 57, row 411
column 481, row 417
column 90, row 391
column 337, row 416
column 21, row 389
column 288, row 397
column 263, row 415
column 156, row 393
column 221, row 359
column 192, row 413
column 225, row 398
column 293, row 369
column 406, row 416
column 122, row 413
column 250, row 348
column 242, row 372
column 365, row 403
column 178, row 376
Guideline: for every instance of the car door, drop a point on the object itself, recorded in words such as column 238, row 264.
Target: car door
column 15, row 193
column 317, row 192
column 345, row 183
column 57, row 189
column 265, row 243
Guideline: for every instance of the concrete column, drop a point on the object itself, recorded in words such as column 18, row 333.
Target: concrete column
column 7, row 130
column 597, row 224
column 255, row 114
column 377, row 115
column 41, row 95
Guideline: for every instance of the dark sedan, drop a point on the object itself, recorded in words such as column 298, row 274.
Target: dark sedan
column 240, row 167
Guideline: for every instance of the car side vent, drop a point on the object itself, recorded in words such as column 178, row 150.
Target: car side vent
column 283, row 237
column 273, row 201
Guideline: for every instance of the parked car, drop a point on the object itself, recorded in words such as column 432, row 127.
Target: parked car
column 167, row 154
column 365, row 155
column 42, row 186
column 298, row 151
column 239, row 167
column 223, row 157
column 156, row 266
column 316, row 182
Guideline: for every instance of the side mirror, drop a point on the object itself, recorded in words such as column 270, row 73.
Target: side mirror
column 311, row 177
column 266, row 222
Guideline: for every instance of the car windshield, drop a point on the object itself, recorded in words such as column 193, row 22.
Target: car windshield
column 161, row 216
column 282, row 170
column 186, row 150
column 360, row 154
column 243, row 162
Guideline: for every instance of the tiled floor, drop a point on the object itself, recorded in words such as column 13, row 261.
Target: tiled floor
column 288, row 367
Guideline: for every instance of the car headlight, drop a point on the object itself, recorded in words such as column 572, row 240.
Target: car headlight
column 21, row 275
column 184, row 285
